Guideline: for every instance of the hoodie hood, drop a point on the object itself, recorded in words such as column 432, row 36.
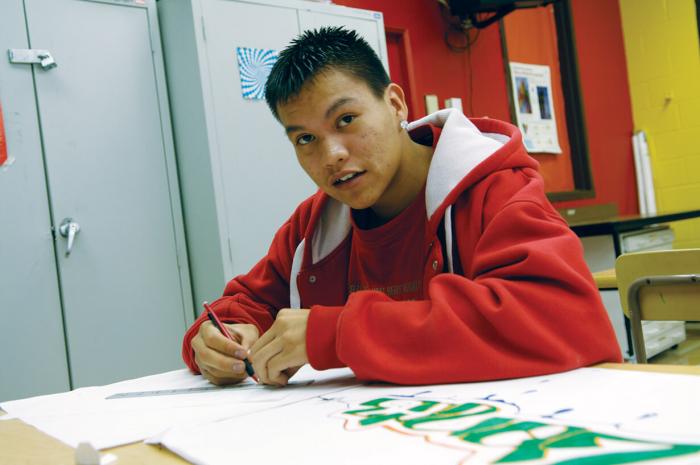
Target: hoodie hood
column 467, row 151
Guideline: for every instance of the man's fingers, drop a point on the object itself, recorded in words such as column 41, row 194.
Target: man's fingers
column 219, row 380
column 278, row 368
column 260, row 358
column 221, row 363
column 217, row 364
column 227, row 376
column 245, row 334
column 264, row 340
column 292, row 371
column 213, row 339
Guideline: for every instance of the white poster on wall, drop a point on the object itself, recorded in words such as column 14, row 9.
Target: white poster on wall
column 534, row 108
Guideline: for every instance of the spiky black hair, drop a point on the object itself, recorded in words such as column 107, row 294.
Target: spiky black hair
column 323, row 49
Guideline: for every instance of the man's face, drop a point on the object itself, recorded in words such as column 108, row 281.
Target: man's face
column 346, row 139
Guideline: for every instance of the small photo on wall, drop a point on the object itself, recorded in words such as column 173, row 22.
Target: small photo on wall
column 524, row 104
column 543, row 99
column 254, row 66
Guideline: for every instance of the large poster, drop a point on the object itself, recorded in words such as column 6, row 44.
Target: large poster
column 534, row 109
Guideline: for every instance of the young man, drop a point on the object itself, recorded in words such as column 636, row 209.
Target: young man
column 429, row 255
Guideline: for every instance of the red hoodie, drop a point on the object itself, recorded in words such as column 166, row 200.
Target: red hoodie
column 512, row 296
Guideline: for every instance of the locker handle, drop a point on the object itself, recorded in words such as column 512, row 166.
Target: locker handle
column 32, row 56
column 69, row 229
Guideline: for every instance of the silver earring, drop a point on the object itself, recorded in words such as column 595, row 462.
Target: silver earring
column 404, row 124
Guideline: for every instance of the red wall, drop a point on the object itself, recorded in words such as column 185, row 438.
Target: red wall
column 482, row 84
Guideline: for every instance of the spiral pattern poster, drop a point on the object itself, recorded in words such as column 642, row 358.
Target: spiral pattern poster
column 254, row 65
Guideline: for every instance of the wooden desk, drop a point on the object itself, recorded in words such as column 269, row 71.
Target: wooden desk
column 21, row 444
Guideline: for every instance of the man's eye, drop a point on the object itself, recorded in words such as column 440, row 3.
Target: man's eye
column 305, row 139
column 345, row 120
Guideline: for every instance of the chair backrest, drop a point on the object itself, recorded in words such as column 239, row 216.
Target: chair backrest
column 659, row 299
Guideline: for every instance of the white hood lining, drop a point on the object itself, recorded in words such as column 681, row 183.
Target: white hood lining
column 294, row 296
column 333, row 226
column 448, row 238
column 460, row 149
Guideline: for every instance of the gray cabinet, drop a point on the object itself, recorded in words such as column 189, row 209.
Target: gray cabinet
column 91, row 143
column 32, row 348
column 239, row 175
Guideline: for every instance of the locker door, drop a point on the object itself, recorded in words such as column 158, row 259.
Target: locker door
column 261, row 178
column 32, row 347
column 108, row 171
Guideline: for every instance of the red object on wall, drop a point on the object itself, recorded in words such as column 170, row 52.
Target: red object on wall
column 398, row 44
column 479, row 79
column 3, row 143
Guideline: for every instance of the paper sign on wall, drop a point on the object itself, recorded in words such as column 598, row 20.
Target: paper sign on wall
column 254, row 66
column 3, row 141
column 534, row 109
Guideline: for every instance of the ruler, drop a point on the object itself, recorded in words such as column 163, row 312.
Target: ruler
column 174, row 392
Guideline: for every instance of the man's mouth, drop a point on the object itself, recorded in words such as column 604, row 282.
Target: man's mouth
column 347, row 177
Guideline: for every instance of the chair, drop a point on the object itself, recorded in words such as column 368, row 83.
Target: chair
column 660, row 285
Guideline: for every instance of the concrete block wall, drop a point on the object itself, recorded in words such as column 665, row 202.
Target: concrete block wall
column 663, row 63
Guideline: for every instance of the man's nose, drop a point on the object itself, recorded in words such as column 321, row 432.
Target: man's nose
column 335, row 152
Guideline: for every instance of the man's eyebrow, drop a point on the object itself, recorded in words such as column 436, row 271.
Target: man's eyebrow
column 337, row 104
column 289, row 129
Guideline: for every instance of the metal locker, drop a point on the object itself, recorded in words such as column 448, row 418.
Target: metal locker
column 122, row 268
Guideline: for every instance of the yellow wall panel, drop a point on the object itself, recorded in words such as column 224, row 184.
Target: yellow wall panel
column 685, row 83
column 668, row 173
column 684, row 231
column 676, row 144
column 663, row 64
column 690, row 112
column 680, row 9
column 679, row 197
column 693, row 164
column 640, row 94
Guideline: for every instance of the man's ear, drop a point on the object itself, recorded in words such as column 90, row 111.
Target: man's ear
column 396, row 99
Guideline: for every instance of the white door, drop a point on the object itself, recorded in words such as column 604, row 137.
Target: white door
column 110, row 170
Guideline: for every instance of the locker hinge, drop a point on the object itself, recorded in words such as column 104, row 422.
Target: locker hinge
column 204, row 31
column 230, row 252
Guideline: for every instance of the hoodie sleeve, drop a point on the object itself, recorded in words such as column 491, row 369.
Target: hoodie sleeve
column 525, row 305
column 256, row 297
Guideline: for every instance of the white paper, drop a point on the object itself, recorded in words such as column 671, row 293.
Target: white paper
column 615, row 412
column 85, row 415
column 534, row 107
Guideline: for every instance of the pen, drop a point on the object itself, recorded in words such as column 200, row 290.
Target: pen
column 216, row 322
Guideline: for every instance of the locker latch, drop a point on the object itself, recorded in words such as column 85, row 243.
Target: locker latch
column 32, row 56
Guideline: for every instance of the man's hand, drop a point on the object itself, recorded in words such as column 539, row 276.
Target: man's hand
column 220, row 360
column 279, row 353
